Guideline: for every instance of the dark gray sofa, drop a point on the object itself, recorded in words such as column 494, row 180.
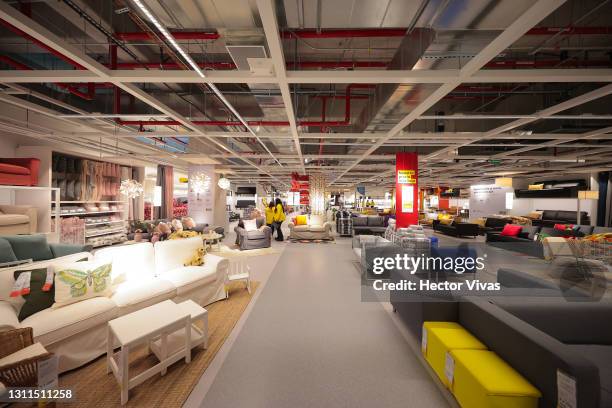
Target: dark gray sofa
column 523, row 243
column 552, row 217
column 369, row 224
column 457, row 229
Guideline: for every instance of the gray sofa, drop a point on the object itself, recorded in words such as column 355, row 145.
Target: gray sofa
column 364, row 244
column 261, row 238
column 369, row 224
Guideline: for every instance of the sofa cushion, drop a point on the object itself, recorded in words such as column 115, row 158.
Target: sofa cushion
column 52, row 325
column 301, row 220
column 6, row 251
column 301, row 228
column 130, row 262
column 529, row 232
column 601, row 230
column 375, row 221
column 569, row 216
column 360, row 221
column 33, row 247
column 187, row 278
column 13, row 219
column 316, row 220
column 601, row 356
column 316, row 228
column 132, row 293
column 173, row 254
column 511, row 230
column 37, row 299
column 549, row 215
column 8, row 168
column 256, row 234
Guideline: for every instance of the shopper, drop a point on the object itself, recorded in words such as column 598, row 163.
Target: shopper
column 279, row 217
column 270, row 215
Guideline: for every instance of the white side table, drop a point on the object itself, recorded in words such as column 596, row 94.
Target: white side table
column 176, row 341
column 214, row 238
column 144, row 326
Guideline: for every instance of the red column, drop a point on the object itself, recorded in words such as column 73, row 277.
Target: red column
column 406, row 189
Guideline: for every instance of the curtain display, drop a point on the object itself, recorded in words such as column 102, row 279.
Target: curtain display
column 317, row 194
column 85, row 180
column 165, row 179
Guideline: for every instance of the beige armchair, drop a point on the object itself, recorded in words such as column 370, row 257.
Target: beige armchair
column 17, row 219
column 318, row 228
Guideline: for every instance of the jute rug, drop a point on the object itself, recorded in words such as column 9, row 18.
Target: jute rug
column 93, row 387
column 229, row 252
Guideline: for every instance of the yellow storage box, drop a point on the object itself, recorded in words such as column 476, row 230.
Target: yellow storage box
column 442, row 337
column 480, row 378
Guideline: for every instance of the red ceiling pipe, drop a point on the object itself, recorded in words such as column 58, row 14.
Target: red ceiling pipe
column 338, row 64
column 173, row 65
column 72, row 89
column 570, row 31
column 178, row 35
column 41, row 44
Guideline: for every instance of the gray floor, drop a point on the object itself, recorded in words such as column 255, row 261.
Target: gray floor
column 310, row 341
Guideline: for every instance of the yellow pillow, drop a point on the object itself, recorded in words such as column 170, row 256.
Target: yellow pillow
column 479, row 221
column 301, row 220
column 446, row 221
column 536, row 187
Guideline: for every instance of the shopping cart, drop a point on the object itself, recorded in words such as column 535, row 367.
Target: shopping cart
column 585, row 250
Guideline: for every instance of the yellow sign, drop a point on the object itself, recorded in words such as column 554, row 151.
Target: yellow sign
column 406, row 177
column 407, row 199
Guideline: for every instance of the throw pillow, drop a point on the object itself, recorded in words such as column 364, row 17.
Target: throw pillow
column 563, row 227
column 6, row 251
column 30, row 246
column 250, row 225
column 446, row 221
column 177, row 225
column 197, row 259
column 536, row 187
column 78, row 281
column 41, row 292
column 511, row 230
column 480, row 222
column 535, row 215
column 301, row 220
column 188, row 222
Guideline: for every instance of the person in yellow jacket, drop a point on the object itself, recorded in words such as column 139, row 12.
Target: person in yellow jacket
column 279, row 217
column 270, row 215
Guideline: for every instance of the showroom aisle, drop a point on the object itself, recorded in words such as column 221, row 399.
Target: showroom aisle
column 311, row 342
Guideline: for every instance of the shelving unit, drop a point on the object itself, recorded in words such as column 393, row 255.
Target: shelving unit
column 73, row 214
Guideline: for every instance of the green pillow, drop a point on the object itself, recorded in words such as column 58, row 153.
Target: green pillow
column 36, row 300
column 30, row 246
column 6, row 251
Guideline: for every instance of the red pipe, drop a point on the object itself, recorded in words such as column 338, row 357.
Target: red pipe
column 41, row 44
column 72, row 89
column 173, row 65
column 178, row 35
column 400, row 32
column 345, row 122
column 230, row 65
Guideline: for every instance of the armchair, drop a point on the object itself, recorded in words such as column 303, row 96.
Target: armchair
column 260, row 238
column 317, row 228
column 17, row 219
column 19, row 172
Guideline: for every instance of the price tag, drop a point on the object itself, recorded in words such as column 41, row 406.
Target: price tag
column 566, row 390
column 424, row 341
column 47, row 372
column 449, row 368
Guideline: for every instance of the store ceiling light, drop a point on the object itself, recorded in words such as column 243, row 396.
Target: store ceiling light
column 223, row 183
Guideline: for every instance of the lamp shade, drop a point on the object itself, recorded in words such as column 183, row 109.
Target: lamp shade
column 223, row 183
column 503, row 181
column 588, row 195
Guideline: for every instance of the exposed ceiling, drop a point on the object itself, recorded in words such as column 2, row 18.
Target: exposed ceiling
column 264, row 88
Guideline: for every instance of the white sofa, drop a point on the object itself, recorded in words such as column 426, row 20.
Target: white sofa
column 317, row 228
column 143, row 274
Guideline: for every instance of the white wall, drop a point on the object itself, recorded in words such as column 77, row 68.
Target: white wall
column 523, row 206
column 8, row 146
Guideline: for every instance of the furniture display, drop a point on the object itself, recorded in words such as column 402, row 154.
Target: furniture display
column 144, row 326
column 362, row 244
column 259, row 238
column 457, row 229
column 19, row 357
column 18, row 219
column 493, row 224
column 143, row 274
column 525, row 242
column 239, row 270
column 38, row 249
column 19, row 171
column 553, row 189
column 344, row 224
column 552, row 217
column 317, row 227
column 369, row 224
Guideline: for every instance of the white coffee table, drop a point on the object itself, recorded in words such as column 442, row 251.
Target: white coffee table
column 214, row 238
column 145, row 326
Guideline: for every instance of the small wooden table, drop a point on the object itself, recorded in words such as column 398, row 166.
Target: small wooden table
column 214, row 238
column 145, row 326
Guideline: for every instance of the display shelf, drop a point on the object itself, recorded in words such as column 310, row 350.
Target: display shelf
column 90, row 213
column 87, row 224
column 100, row 233
column 92, row 201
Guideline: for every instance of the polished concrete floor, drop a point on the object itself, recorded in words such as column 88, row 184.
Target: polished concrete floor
column 310, row 341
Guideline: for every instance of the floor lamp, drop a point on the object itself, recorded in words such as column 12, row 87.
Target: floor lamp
column 585, row 195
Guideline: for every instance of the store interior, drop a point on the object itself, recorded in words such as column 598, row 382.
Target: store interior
column 278, row 203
